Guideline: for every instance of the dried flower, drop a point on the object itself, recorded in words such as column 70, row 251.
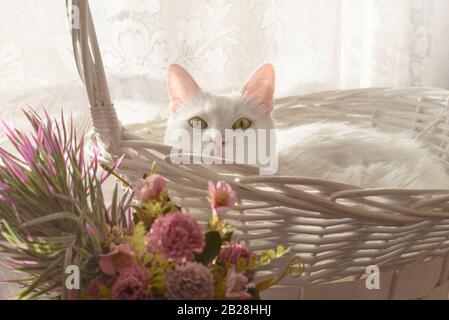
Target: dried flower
column 177, row 237
column 93, row 289
column 222, row 197
column 235, row 252
column 132, row 284
column 91, row 232
column 150, row 188
column 236, row 284
column 192, row 281
column 46, row 171
column 119, row 258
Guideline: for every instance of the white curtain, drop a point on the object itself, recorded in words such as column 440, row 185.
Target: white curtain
column 314, row 44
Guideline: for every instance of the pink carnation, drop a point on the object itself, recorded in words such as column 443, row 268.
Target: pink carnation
column 234, row 252
column 177, row 237
column 132, row 284
column 236, row 284
column 150, row 188
column 222, row 197
column 192, row 281
column 115, row 261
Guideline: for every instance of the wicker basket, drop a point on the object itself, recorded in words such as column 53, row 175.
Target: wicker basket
column 338, row 230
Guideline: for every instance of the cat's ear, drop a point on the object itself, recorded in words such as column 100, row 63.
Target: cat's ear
column 181, row 87
column 259, row 89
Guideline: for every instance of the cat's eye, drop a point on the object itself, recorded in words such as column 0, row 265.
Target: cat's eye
column 242, row 124
column 198, row 123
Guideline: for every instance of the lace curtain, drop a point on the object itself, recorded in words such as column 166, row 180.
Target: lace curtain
column 314, row 44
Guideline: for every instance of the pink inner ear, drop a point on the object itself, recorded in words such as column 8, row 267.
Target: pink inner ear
column 181, row 87
column 260, row 88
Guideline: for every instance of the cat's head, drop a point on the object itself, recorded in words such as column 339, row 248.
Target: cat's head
column 214, row 115
column 191, row 107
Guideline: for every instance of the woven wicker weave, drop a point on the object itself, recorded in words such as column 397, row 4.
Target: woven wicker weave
column 337, row 230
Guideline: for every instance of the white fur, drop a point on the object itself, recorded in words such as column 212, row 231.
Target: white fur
column 219, row 111
column 358, row 156
column 333, row 151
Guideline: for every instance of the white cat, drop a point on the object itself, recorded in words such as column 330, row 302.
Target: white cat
column 325, row 150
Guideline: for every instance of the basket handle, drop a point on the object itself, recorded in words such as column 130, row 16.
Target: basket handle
column 91, row 70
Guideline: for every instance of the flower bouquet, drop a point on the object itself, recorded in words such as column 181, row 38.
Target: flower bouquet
column 138, row 246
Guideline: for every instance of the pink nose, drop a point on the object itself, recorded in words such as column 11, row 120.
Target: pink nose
column 219, row 143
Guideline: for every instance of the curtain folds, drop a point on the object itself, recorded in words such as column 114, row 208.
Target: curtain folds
column 314, row 44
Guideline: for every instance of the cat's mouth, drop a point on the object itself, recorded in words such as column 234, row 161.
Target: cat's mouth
column 220, row 144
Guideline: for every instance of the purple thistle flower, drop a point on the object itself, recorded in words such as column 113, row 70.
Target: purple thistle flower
column 48, row 173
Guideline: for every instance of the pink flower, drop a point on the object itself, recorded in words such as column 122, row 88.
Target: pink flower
column 177, row 237
column 132, row 284
column 115, row 261
column 150, row 188
column 94, row 286
column 222, row 197
column 233, row 253
column 4, row 187
column 72, row 295
column 236, row 284
column 192, row 281
column 90, row 230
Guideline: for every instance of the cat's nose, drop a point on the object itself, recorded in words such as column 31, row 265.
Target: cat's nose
column 219, row 143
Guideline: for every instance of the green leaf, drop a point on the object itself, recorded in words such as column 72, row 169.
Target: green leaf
column 137, row 240
column 52, row 270
column 211, row 248
column 167, row 210
column 49, row 218
column 114, row 205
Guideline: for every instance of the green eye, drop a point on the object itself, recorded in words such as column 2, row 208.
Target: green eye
column 241, row 124
column 198, row 123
